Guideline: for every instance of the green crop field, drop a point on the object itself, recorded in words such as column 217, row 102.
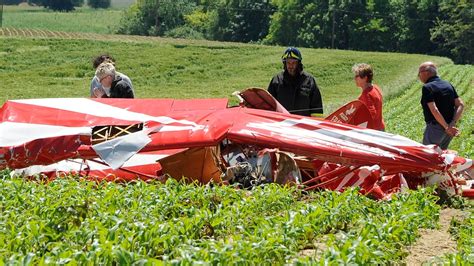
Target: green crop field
column 71, row 221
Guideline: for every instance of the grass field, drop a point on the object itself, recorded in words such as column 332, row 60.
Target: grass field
column 83, row 19
column 72, row 221
column 62, row 68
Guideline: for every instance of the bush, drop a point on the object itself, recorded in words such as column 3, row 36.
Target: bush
column 78, row 3
column 185, row 32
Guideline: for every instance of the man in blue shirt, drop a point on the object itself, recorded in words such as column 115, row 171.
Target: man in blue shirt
column 442, row 107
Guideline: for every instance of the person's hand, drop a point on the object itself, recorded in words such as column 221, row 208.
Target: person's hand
column 98, row 92
column 452, row 131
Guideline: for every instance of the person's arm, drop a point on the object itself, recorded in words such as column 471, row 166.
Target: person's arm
column 272, row 87
column 369, row 103
column 126, row 79
column 450, row 130
column 94, row 84
column 459, row 105
column 130, row 93
column 316, row 103
column 125, row 89
column 372, row 111
column 98, row 93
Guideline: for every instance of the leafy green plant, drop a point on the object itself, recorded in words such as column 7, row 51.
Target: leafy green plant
column 69, row 220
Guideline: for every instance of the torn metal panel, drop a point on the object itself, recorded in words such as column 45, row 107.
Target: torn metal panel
column 195, row 164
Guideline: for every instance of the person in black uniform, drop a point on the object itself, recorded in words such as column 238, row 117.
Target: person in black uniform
column 294, row 88
column 442, row 107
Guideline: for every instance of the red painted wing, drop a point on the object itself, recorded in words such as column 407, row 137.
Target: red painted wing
column 353, row 113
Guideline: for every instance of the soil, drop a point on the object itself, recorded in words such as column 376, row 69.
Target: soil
column 430, row 244
column 434, row 242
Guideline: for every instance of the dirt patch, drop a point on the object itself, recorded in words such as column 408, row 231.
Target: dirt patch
column 434, row 242
column 317, row 252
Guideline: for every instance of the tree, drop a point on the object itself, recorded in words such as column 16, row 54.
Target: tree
column 417, row 26
column 11, row 2
column 286, row 23
column 370, row 27
column 77, row 3
column 412, row 25
column 155, row 17
column 197, row 25
column 99, row 3
column 454, row 33
column 241, row 20
column 58, row 5
column 350, row 18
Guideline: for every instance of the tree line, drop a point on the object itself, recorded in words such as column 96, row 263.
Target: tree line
column 441, row 27
column 61, row 5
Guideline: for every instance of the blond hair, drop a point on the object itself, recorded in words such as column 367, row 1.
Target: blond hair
column 363, row 70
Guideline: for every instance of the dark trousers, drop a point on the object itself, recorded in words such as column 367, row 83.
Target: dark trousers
column 435, row 134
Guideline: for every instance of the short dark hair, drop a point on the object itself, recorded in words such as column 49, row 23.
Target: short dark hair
column 102, row 58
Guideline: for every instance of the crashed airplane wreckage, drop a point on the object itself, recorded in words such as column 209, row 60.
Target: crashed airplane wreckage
column 204, row 140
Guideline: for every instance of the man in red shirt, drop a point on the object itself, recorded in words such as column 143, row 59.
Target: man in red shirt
column 371, row 95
